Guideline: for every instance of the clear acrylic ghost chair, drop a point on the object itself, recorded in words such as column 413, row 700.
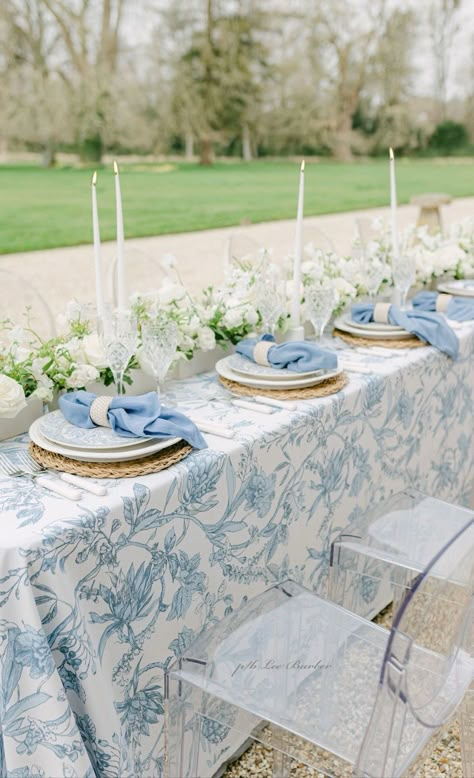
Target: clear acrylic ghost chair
column 324, row 687
column 318, row 239
column 244, row 252
column 144, row 273
column 24, row 305
column 374, row 561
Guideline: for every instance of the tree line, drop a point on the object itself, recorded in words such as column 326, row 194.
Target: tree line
column 233, row 77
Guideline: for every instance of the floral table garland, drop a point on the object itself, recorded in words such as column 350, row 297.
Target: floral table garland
column 34, row 368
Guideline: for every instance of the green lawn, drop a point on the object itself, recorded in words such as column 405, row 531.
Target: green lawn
column 46, row 208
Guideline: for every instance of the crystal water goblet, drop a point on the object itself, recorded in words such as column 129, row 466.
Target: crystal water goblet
column 404, row 276
column 270, row 300
column 160, row 338
column 118, row 333
column 319, row 305
column 375, row 271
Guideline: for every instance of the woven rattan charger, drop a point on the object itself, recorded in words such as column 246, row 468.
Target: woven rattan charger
column 128, row 469
column 359, row 340
column 323, row 389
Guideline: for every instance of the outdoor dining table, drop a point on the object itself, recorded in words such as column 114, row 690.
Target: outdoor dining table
column 98, row 596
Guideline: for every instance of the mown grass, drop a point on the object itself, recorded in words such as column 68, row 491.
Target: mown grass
column 46, row 208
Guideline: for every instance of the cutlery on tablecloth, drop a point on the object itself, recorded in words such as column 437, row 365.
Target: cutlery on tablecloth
column 75, row 480
column 8, row 468
column 212, row 428
column 251, row 406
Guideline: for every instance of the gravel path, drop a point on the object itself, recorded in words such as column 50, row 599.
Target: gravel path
column 67, row 273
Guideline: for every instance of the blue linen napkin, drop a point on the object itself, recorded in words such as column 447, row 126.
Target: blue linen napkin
column 299, row 356
column 142, row 416
column 459, row 308
column 430, row 327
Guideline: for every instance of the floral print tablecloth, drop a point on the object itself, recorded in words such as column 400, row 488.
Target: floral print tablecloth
column 97, row 597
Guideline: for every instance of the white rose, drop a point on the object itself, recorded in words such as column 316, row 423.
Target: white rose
column 232, row 318
column 81, row 376
column 170, row 292
column 12, row 397
column 251, row 315
column 206, row 339
column 75, row 349
column 143, row 361
column 94, row 352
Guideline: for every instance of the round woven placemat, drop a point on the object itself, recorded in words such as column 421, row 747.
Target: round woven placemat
column 357, row 340
column 152, row 464
column 323, row 389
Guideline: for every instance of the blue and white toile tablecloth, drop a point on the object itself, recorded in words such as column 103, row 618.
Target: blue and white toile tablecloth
column 96, row 597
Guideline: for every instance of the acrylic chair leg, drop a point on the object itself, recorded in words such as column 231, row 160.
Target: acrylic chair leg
column 281, row 765
column 467, row 734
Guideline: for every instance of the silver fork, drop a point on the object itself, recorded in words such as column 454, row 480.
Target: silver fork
column 82, row 483
column 9, row 468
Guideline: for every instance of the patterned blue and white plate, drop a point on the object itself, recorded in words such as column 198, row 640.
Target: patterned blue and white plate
column 58, row 430
column 461, row 288
column 144, row 449
column 245, row 366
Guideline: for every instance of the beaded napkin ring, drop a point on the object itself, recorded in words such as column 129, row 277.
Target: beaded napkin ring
column 99, row 411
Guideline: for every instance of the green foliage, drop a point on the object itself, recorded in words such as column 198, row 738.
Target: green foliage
column 449, row 136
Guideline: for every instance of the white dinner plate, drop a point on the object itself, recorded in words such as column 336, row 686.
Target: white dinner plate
column 57, row 429
column 379, row 335
column 461, row 288
column 375, row 326
column 223, row 369
column 244, row 366
column 86, row 455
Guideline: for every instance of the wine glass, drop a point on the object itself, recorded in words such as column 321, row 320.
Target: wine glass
column 117, row 330
column 270, row 300
column 375, row 271
column 160, row 338
column 404, row 276
column 319, row 305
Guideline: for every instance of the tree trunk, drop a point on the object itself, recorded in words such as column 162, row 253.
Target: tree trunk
column 246, row 144
column 48, row 155
column 189, row 142
column 206, row 157
column 341, row 140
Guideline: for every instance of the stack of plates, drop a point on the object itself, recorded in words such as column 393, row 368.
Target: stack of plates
column 373, row 330
column 243, row 371
column 459, row 288
column 100, row 444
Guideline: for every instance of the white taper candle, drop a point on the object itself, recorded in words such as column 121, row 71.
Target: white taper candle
column 393, row 207
column 121, row 285
column 99, row 288
column 296, row 302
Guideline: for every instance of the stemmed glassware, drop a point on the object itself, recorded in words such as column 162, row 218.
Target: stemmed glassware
column 160, row 338
column 404, row 276
column 374, row 272
column 117, row 330
column 319, row 305
column 270, row 299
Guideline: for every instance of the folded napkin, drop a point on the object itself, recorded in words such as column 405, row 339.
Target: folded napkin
column 430, row 327
column 141, row 417
column 299, row 356
column 456, row 308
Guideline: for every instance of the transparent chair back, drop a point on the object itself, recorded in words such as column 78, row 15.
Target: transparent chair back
column 24, row 305
column 144, row 273
column 375, row 560
column 243, row 252
column 315, row 239
column 321, row 686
